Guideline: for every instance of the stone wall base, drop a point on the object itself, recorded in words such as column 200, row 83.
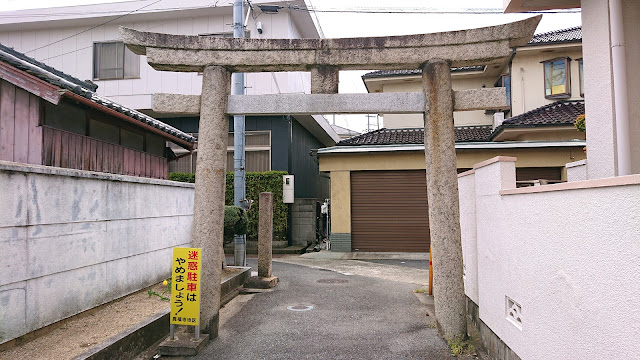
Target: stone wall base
column 494, row 346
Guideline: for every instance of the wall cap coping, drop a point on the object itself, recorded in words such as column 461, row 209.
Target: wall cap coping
column 494, row 160
column 577, row 185
column 582, row 162
column 466, row 173
column 9, row 166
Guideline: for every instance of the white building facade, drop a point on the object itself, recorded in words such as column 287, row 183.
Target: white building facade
column 84, row 41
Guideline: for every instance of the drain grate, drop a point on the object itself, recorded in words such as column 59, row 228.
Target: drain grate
column 332, row 281
column 300, row 307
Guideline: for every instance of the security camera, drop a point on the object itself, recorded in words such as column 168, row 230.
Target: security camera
column 259, row 27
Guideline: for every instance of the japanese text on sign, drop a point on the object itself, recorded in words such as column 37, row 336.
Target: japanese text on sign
column 185, row 282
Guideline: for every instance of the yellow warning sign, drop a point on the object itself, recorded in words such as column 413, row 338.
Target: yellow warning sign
column 185, row 286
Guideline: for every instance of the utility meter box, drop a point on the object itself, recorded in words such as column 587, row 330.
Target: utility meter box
column 287, row 189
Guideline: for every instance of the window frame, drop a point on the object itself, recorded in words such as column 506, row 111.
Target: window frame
column 501, row 82
column 581, row 76
column 251, row 148
column 124, row 51
column 567, row 78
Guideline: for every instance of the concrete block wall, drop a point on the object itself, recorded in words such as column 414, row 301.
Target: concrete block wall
column 72, row 240
column 564, row 258
column 303, row 221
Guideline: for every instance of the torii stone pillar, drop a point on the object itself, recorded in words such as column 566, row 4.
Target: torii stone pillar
column 208, row 216
column 490, row 47
column 442, row 195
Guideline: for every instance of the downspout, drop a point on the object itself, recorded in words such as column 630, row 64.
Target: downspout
column 513, row 55
column 620, row 96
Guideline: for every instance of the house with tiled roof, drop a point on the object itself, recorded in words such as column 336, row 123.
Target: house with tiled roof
column 378, row 178
column 54, row 119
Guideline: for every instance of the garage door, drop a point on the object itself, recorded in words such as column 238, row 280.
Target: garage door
column 389, row 211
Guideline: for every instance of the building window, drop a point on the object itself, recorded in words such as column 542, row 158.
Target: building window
column 557, row 84
column 505, row 82
column 581, row 75
column 113, row 60
column 257, row 156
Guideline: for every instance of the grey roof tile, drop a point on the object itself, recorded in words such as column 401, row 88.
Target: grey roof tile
column 415, row 136
column 83, row 88
column 557, row 113
column 573, row 34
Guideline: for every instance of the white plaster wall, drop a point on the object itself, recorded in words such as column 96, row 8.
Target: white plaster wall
column 74, row 56
column 467, row 190
column 596, row 47
column 72, row 240
column 570, row 258
column 577, row 170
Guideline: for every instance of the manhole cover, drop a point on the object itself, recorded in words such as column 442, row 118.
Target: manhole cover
column 300, row 307
column 332, row 281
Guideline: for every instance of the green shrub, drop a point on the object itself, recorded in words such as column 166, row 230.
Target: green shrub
column 235, row 222
column 182, row 177
column 256, row 182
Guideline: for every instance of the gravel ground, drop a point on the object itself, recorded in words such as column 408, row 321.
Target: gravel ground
column 81, row 332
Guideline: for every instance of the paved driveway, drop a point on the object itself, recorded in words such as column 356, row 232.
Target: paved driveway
column 352, row 317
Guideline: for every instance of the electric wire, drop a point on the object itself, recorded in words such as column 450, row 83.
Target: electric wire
column 93, row 27
column 472, row 11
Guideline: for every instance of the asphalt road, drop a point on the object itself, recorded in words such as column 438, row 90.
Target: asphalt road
column 352, row 317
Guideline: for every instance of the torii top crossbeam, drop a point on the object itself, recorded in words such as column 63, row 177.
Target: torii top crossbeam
column 482, row 46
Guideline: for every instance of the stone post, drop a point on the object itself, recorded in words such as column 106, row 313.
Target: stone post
column 208, row 213
column 324, row 80
column 265, row 279
column 265, row 234
column 442, row 195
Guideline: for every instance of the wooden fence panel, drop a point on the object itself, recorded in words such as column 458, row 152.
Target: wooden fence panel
column 35, row 132
column 7, row 120
column 21, row 127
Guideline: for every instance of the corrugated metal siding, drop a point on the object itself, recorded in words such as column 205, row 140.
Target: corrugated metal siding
column 308, row 182
column 389, row 211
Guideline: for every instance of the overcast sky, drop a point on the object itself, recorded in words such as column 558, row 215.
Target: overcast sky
column 356, row 18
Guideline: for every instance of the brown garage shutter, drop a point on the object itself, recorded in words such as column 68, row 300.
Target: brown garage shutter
column 389, row 211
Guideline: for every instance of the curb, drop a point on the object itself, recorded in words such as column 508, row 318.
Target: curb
column 132, row 341
column 136, row 339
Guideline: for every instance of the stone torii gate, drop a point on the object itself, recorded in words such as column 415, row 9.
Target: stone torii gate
column 434, row 53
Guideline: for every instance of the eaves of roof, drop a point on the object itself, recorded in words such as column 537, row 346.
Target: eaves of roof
column 458, row 146
column 84, row 90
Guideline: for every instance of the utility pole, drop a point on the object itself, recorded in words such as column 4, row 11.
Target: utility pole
column 239, row 196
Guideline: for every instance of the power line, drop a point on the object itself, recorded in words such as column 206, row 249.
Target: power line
column 318, row 21
column 427, row 11
column 471, row 11
column 90, row 46
column 93, row 27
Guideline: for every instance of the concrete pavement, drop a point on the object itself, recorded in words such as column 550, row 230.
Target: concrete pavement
column 351, row 316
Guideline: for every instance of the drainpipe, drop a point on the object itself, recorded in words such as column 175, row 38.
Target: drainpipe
column 620, row 98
